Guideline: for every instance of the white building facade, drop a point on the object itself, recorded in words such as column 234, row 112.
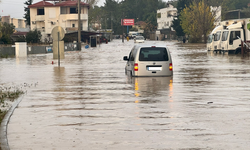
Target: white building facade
column 165, row 17
column 216, row 11
column 44, row 16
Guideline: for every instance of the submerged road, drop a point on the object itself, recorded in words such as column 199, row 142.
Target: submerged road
column 90, row 104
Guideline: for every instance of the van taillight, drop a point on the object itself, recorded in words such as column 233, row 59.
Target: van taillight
column 135, row 67
column 170, row 67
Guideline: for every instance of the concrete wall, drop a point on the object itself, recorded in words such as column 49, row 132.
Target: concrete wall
column 10, row 51
column 7, row 51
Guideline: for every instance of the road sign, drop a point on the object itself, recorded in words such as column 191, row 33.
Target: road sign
column 55, row 32
column 127, row 22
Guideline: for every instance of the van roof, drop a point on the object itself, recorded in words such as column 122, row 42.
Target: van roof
column 147, row 45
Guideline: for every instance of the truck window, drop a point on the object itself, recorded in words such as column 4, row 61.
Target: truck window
column 233, row 36
column 224, row 35
column 210, row 38
column 217, row 36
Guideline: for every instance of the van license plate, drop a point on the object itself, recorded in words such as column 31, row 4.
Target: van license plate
column 154, row 68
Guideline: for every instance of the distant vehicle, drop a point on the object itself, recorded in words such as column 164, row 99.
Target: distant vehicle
column 213, row 42
column 139, row 39
column 117, row 36
column 103, row 39
column 232, row 36
column 149, row 60
column 133, row 34
column 228, row 38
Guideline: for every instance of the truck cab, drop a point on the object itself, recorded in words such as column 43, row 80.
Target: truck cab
column 213, row 38
column 231, row 38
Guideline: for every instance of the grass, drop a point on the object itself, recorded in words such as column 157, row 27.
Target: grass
column 7, row 94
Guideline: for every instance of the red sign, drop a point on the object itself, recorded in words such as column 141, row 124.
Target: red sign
column 127, row 22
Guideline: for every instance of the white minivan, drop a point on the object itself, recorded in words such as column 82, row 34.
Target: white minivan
column 149, row 60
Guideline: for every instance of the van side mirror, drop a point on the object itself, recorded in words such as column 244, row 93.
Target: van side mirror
column 125, row 58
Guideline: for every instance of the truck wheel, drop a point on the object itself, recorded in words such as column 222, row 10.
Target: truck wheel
column 237, row 51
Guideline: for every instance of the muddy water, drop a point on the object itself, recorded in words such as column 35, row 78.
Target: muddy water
column 89, row 103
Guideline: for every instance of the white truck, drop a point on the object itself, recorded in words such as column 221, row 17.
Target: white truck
column 133, row 34
column 213, row 38
column 232, row 35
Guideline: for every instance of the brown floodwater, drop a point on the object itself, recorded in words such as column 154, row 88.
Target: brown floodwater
column 89, row 103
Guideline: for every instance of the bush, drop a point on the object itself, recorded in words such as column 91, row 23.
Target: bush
column 33, row 36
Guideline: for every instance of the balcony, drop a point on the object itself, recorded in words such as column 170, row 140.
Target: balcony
column 40, row 18
column 73, row 17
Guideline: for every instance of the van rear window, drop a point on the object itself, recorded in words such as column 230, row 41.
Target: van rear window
column 153, row 54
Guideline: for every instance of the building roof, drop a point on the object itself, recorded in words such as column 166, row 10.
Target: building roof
column 63, row 3
column 19, row 34
column 41, row 4
column 70, row 3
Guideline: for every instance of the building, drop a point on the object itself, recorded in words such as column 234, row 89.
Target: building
column 18, row 23
column 44, row 16
column 165, row 17
column 140, row 26
column 216, row 11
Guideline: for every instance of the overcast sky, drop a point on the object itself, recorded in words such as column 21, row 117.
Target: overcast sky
column 15, row 8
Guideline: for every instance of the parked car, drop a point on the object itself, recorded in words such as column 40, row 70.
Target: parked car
column 139, row 39
column 149, row 60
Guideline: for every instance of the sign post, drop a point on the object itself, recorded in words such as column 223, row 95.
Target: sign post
column 58, row 34
column 126, row 22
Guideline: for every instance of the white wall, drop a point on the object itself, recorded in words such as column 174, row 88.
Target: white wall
column 167, row 16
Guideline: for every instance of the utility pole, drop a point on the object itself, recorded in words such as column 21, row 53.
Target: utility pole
column 79, row 25
column 122, row 28
column 111, row 26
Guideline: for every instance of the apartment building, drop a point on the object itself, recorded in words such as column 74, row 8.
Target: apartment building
column 46, row 15
column 18, row 23
column 165, row 17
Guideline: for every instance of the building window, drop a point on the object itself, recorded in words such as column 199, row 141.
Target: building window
column 40, row 11
column 158, row 15
column 73, row 11
column 73, row 25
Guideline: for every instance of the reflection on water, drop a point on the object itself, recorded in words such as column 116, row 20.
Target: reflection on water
column 146, row 87
column 59, row 75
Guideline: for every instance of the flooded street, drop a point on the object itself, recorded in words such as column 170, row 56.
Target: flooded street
column 90, row 104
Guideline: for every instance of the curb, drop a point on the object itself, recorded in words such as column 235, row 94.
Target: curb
column 3, row 128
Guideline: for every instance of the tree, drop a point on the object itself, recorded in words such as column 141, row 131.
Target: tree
column 1, row 31
column 7, row 30
column 176, row 24
column 33, row 36
column 91, row 3
column 27, row 11
column 149, row 27
column 197, row 21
